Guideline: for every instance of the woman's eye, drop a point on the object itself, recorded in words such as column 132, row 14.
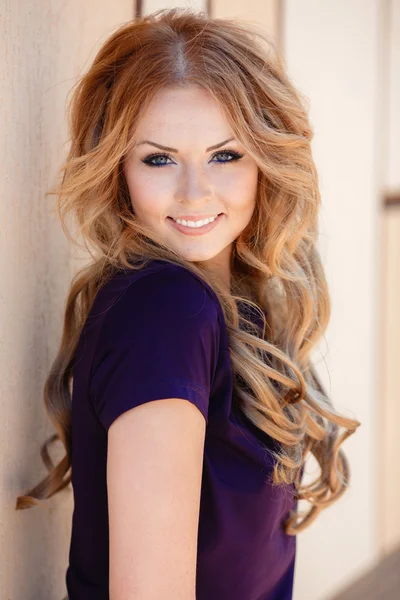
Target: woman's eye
column 230, row 153
column 148, row 159
column 234, row 156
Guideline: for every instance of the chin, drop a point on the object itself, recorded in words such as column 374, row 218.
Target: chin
column 198, row 256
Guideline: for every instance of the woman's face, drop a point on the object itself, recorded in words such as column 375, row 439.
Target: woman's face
column 183, row 167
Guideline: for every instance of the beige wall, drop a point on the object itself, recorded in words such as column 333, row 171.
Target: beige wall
column 264, row 13
column 389, row 515
column 150, row 6
column 337, row 54
column 392, row 170
column 44, row 45
column 389, row 475
column 342, row 69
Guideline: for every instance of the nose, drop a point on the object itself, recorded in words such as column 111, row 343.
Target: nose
column 193, row 186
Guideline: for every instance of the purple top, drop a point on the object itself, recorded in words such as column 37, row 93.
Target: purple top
column 243, row 552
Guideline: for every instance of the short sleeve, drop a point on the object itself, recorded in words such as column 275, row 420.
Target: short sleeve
column 159, row 340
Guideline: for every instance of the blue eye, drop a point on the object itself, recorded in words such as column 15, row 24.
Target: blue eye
column 148, row 159
column 234, row 157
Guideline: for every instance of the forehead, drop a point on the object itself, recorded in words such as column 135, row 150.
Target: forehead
column 186, row 112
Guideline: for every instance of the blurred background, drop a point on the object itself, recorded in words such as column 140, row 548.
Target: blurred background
column 344, row 56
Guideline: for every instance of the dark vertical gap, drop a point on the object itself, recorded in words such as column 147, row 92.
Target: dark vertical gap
column 138, row 8
column 209, row 8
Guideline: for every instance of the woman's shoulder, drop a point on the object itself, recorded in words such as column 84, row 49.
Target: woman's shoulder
column 158, row 338
column 179, row 274
column 159, row 290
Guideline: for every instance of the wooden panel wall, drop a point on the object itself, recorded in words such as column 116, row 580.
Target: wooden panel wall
column 45, row 44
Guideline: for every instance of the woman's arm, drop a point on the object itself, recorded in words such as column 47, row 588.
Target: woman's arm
column 154, row 471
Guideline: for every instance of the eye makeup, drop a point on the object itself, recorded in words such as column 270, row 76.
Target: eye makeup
column 234, row 157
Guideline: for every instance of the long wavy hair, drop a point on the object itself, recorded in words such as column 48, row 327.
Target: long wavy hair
column 275, row 265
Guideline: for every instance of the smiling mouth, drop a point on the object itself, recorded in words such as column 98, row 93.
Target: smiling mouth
column 196, row 230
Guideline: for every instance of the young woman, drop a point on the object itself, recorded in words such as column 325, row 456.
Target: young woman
column 188, row 337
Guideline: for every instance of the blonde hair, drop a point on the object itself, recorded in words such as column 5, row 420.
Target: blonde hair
column 275, row 265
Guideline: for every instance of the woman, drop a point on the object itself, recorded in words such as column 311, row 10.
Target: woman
column 188, row 338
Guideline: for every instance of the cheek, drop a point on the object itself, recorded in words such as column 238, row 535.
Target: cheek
column 148, row 193
column 241, row 190
column 143, row 182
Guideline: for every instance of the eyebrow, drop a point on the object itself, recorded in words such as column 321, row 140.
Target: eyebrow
column 175, row 150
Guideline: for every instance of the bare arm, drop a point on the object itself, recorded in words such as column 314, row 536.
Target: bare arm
column 154, row 470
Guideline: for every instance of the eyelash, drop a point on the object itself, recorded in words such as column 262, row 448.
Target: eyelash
column 236, row 156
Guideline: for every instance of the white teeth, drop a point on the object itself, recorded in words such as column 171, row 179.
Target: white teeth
column 195, row 224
